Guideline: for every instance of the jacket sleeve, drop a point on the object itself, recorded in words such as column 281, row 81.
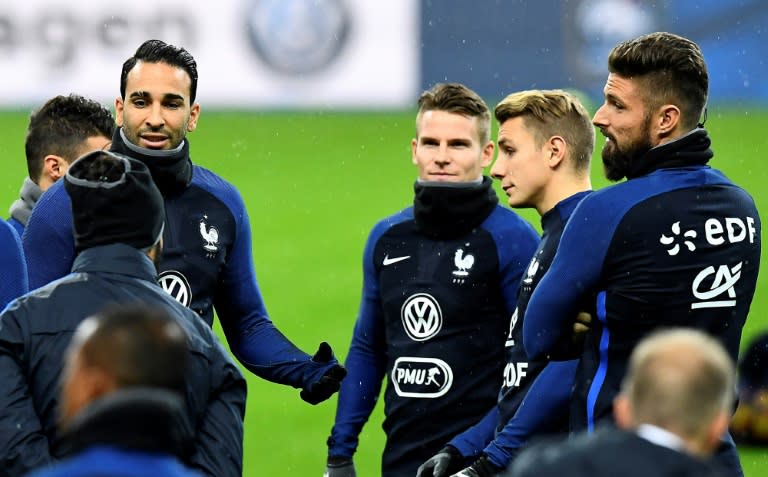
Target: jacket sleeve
column 23, row 446
column 545, row 403
column 48, row 240
column 471, row 442
column 365, row 363
column 219, row 437
column 574, row 273
column 251, row 335
column 13, row 269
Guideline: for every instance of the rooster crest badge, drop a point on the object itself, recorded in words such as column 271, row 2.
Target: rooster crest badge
column 210, row 236
column 463, row 263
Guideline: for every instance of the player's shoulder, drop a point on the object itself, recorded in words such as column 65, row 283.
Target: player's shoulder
column 215, row 185
column 390, row 221
column 55, row 197
column 509, row 229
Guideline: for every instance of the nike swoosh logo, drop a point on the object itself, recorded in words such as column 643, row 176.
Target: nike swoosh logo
column 390, row 261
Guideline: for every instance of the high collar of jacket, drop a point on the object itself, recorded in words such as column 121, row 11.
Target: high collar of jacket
column 689, row 150
column 22, row 207
column 116, row 258
column 447, row 210
column 561, row 211
column 141, row 419
column 171, row 170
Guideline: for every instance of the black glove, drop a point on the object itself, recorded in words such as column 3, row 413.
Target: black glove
column 442, row 464
column 340, row 467
column 329, row 383
column 481, row 468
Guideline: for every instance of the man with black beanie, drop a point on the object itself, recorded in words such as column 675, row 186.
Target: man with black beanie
column 118, row 219
column 207, row 260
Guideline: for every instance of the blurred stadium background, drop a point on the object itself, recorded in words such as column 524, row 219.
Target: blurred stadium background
column 308, row 109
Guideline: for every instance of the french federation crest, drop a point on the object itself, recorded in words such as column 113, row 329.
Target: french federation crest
column 210, row 237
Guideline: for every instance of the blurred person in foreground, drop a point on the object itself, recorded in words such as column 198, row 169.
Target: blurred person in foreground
column 677, row 244
column 207, row 259
column 118, row 218
column 122, row 406
column 674, row 405
column 60, row 131
column 13, row 267
column 440, row 282
column 545, row 141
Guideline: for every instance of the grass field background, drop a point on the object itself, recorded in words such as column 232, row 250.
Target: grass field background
column 314, row 184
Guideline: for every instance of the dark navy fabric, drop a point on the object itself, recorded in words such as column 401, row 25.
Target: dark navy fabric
column 609, row 453
column 36, row 329
column 13, row 267
column 106, row 461
column 207, row 262
column 677, row 246
column 432, row 322
column 523, row 378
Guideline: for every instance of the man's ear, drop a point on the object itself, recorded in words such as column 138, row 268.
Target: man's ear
column 667, row 120
column 557, row 149
column 194, row 115
column 119, row 111
column 54, row 167
column 622, row 412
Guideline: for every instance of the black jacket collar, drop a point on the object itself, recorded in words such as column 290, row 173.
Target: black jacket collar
column 141, row 419
column 450, row 210
column 689, row 150
column 116, row 258
column 171, row 170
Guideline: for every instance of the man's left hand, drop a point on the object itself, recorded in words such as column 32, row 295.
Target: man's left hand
column 329, row 383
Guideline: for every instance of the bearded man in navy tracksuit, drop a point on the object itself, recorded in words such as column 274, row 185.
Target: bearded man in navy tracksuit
column 677, row 244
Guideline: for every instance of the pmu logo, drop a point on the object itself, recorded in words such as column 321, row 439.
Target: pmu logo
column 175, row 284
column 421, row 377
column 724, row 280
column 422, row 317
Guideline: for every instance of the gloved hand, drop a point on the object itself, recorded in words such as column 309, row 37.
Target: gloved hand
column 481, row 468
column 329, row 383
column 340, row 467
column 442, row 464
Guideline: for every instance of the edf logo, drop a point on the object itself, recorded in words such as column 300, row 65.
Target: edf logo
column 422, row 317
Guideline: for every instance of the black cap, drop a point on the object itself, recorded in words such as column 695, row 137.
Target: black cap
column 113, row 201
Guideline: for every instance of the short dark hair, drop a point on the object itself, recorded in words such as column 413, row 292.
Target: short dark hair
column 158, row 51
column 457, row 98
column 673, row 69
column 61, row 126
column 139, row 346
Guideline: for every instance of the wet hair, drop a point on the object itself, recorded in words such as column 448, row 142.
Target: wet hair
column 157, row 51
column 671, row 68
column 61, row 126
column 548, row 113
column 680, row 380
column 458, row 99
column 138, row 345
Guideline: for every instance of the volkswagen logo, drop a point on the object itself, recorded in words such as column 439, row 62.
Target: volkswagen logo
column 175, row 284
column 422, row 317
column 297, row 37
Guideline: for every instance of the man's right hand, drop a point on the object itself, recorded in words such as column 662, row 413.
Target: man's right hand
column 340, row 467
column 442, row 464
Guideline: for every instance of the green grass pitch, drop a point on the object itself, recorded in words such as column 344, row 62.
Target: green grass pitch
column 314, row 184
